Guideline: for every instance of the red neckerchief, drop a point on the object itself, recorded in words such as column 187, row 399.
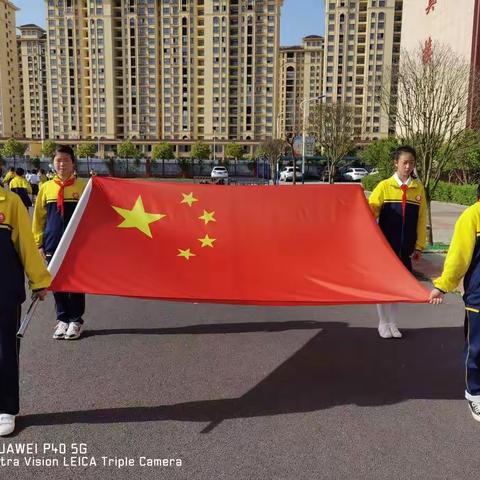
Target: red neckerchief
column 60, row 195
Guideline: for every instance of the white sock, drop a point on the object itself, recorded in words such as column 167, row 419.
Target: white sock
column 383, row 310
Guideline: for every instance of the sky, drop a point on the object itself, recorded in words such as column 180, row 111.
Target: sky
column 299, row 18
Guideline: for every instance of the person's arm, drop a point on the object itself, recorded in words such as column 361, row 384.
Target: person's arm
column 28, row 187
column 39, row 216
column 460, row 252
column 37, row 273
column 376, row 200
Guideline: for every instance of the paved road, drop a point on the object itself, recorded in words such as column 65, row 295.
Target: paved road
column 249, row 393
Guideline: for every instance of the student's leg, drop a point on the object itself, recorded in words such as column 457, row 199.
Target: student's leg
column 472, row 355
column 9, row 359
column 383, row 311
column 393, row 321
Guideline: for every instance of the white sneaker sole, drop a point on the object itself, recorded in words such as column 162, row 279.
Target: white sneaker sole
column 475, row 417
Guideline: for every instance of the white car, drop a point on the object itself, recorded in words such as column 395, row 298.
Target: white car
column 219, row 172
column 287, row 174
column 354, row 174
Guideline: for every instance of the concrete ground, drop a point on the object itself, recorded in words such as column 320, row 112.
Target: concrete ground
column 247, row 393
column 236, row 392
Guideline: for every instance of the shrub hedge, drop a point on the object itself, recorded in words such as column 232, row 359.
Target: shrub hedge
column 445, row 192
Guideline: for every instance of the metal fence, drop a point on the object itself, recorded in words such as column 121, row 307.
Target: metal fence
column 173, row 168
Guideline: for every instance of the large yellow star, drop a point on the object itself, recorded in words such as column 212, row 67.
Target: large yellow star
column 207, row 241
column 189, row 199
column 138, row 218
column 207, row 217
column 186, row 254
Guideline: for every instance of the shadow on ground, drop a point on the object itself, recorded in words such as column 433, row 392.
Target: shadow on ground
column 340, row 365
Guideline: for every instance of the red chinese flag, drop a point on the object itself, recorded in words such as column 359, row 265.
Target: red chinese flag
column 303, row 245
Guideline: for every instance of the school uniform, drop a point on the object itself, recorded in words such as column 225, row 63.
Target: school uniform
column 54, row 207
column 401, row 210
column 463, row 261
column 18, row 254
column 22, row 188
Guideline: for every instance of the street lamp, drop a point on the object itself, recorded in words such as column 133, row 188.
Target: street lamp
column 214, row 145
column 304, row 110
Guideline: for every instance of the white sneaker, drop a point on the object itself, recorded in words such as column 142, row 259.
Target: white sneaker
column 7, row 424
column 74, row 331
column 60, row 330
column 475, row 409
column 396, row 333
column 384, row 330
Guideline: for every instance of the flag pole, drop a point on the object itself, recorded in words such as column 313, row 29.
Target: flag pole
column 28, row 317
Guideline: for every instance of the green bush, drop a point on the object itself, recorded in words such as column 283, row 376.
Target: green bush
column 444, row 192
column 464, row 194
column 369, row 182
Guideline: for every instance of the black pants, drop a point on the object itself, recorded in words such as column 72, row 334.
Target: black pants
column 70, row 307
column 9, row 359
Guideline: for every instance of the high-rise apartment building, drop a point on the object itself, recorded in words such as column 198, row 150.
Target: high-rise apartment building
column 10, row 105
column 301, row 81
column 173, row 70
column 362, row 46
column 32, row 63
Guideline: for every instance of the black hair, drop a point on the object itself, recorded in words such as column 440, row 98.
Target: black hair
column 12, row 169
column 65, row 149
column 403, row 149
column 20, row 172
column 478, row 192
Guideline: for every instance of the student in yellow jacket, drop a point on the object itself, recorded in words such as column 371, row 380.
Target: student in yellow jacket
column 463, row 261
column 399, row 205
column 43, row 177
column 18, row 254
column 8, row 177
column 54, row 207
column 20, row 185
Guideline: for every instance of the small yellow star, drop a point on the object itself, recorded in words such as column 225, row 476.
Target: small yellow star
column 138, row 218
column 189, row 199
column 207, row 217
column 186, row 254
column 207, row 241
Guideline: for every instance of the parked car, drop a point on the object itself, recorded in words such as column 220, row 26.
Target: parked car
column 373, row 171
column 219, row 172
column 287, row 174
column 354, row 174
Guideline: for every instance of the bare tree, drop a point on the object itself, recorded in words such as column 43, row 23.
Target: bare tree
column 289, row 144
column 272, row 149
column 430, row 103
column 332, row 126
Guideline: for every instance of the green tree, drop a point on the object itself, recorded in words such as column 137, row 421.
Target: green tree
column 200, row 151
column 379, row 155
column 13, row 148
column 464, row 164
column 234, row 150
column 127, row 150
column 162, row 151
column 86, row 150
column 48, row 148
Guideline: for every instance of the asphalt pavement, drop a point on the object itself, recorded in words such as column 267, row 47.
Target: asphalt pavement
column 231, row 392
